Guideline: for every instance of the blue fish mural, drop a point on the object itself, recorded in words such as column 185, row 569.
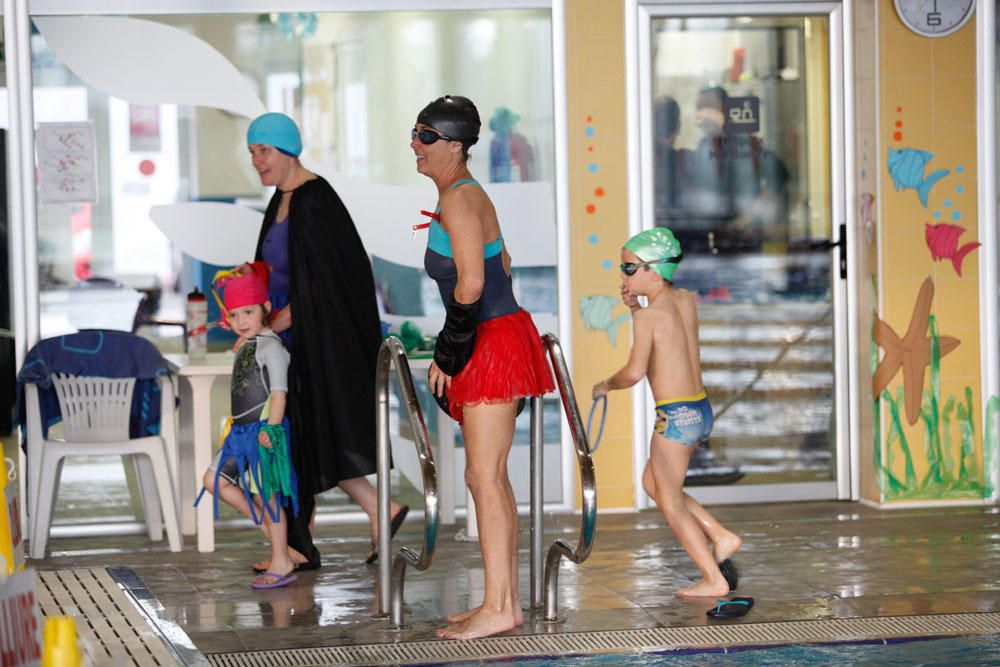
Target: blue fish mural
column 906, row 166
column 597, row 312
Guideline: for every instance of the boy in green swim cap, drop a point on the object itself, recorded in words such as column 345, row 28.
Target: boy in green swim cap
column 665, row 350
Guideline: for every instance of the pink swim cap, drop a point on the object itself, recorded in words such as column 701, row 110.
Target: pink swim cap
column 247, row 290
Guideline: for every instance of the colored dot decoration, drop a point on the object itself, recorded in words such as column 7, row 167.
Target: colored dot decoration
column 593, row 239
column 956, row 216
column 960, row 169
column 947, row 203
column 937, row 214
column 960, row 188
column 591, row 208
column 592, row 167
column 589, row 131
column 606, row 265
column 599, row 192
column 898, row 135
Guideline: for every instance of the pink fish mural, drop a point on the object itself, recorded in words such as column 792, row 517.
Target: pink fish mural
column 942, row 240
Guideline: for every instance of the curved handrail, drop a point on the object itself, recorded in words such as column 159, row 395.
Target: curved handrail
column 390, row 586
column 588, row 484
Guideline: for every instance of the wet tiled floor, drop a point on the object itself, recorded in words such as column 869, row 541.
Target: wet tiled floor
column 799, row 561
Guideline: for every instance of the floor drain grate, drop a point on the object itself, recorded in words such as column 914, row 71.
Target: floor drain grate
column 112, row 631
column 623, row 641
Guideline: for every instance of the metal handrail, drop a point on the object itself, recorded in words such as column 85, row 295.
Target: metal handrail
column 588, row 484
column 390, row 586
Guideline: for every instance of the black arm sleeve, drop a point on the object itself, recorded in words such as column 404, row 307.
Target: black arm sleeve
column 458, row 337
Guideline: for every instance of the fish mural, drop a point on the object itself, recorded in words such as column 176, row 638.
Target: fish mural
column 906, row 166
column 597, row 312
column 942, row 239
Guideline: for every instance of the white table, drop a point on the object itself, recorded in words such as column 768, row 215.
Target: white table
column 197, row 375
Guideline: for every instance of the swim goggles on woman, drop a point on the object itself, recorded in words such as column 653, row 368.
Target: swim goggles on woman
column 629, row 268
column 427, row 137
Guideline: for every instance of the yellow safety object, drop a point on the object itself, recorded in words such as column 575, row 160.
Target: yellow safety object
column 11, row 538
column 60, row 647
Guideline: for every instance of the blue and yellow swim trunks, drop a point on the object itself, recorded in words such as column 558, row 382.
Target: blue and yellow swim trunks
column 686, row 420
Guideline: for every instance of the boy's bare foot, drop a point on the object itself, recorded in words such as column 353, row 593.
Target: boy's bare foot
column 705, row 589
column 458, row 618
column 726, row 546
column 482, row 623
column 293, row 555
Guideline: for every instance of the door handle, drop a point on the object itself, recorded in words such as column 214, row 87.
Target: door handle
column 841, row 243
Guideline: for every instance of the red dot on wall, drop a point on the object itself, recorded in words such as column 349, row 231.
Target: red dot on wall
column 899, row 109
column 898, row 136
column 589, row 118
column 147, row 167
column 590, row 149
column 899, row 123
column 591, row 208
column 599, row 192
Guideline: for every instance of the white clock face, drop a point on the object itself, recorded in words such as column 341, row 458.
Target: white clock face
column 934, row 18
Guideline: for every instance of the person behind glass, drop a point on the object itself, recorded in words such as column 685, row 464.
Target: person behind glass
column 488, row 357
column 321, row 281
column 733, row 185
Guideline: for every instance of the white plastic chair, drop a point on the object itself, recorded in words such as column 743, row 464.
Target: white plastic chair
column 95, row 415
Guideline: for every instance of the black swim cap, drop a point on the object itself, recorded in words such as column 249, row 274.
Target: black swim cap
column 453, row 116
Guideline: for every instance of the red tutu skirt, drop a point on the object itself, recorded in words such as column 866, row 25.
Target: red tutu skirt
column 507, row 363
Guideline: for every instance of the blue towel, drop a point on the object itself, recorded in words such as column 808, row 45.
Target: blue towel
column 96, row 353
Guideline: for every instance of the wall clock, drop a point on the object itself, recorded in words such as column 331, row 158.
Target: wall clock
column 934, row 18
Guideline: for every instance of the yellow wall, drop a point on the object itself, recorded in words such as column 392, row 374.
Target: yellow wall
column 595, row 52
column 927, row 95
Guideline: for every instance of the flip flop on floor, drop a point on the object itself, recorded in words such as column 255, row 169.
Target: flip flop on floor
column 277, row 580
column 299, row 567
column 733, row 608
column 394, row 525
column 729, row 571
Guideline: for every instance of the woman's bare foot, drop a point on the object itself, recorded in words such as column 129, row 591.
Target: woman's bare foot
column 481, row 623
column 705, row 589
column 726, row 546
column 458, row 618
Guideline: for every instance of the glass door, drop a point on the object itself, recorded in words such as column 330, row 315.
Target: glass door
column 738, row 161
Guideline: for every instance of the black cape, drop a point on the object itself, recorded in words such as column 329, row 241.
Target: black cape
column 336, row 334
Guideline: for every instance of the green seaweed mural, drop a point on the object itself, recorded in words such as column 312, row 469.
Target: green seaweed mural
column 946, row 477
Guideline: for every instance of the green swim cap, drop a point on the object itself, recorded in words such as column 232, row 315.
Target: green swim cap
column 657, row 243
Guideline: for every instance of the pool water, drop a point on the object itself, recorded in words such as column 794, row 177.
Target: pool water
column 967, row 650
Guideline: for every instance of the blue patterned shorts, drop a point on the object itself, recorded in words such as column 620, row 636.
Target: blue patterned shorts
column 685, row 420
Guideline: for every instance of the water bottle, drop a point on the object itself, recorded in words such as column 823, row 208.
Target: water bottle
column 196, row 322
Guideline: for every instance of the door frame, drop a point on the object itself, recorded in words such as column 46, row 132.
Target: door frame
column 639, row 15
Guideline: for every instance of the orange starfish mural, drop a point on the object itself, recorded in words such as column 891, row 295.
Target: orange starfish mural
column 912, row 352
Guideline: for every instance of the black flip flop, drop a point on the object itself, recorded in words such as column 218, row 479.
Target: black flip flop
column 733, row 608
column 729, row 571
column 394, row 525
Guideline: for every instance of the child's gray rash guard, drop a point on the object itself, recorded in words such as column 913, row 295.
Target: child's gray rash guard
column 261, row 366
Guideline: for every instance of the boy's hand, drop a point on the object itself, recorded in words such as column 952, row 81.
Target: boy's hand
column 629, row 298
column 263, row 439
column 600, row 389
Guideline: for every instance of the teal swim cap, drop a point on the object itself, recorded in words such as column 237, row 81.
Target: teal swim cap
column 657, row 243
column 278, row 130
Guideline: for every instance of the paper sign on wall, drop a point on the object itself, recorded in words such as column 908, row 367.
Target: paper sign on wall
column 67, row 162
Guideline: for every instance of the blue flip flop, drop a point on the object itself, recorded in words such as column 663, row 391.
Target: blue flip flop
column 279, row 580
column 733, row 608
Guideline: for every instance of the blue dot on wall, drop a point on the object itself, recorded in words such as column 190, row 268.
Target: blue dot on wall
column 589, row 131
column 960, row 188
column 862, row 173
column 937, row 214
column 956, row 216
column 592, row 238
column 947, row 203
column 960, row 169
column 592, row 167
column 606, row 264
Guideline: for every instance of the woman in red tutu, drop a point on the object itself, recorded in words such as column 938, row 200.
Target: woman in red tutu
column 488, row 356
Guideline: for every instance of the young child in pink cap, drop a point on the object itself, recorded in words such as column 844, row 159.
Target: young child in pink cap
column 255, row 453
